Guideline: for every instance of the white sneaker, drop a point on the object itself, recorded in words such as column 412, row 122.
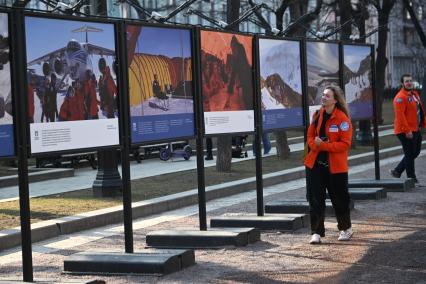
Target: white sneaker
column 315, row 239
column 345, row 235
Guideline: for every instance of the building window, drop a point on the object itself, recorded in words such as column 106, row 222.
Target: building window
column 409, row 34
column 420, row 13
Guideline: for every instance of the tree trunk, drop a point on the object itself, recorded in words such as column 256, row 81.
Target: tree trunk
column 382, row 61
column 224, row 153
column 381, row 64
column 364, row 135
column 224, row 143
column 233, row 11
column 297, row 9
column 283, row 150
column 345, row 15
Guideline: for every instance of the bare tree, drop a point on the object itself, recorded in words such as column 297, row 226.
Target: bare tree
column 224, row 142
column 300, row 18
column 383, row 10
column 422, row 37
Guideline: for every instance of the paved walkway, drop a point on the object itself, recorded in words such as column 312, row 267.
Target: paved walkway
column 279, row 257
column 84, row 177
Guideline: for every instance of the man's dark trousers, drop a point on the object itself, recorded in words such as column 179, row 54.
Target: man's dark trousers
column 411, row 148
column 318, row 179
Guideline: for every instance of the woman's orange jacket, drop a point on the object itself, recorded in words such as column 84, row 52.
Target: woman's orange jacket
column 338, row 129
column 405, row 109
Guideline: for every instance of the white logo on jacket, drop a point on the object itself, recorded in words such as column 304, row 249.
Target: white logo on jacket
column 344, row 126
column 333, row 128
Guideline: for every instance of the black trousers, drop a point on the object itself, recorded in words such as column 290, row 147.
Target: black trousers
column 318, row 180
column 411, row 148
column 209, row 146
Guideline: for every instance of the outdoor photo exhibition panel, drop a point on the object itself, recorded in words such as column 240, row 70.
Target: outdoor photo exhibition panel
column 322, row 60
column 357, row 79
column 280, row 83
column 72, row 86
column 7, row 139
column 160, row 83
column 227, row 82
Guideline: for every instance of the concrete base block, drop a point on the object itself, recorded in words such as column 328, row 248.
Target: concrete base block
column 297, row 206
column 280, row 222
column 390, row 185
column 366, row 193
column 49, row 281
column 151, row 261
column 199, row 239
column 253, row 235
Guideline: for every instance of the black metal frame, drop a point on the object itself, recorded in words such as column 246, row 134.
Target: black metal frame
column 25, row 83
column 258, row 122
column 19, row 61
column 199, row 123
column 199, row 31
column 375, row 117
column 305, row 102
column 9, row 13
column 124, row 122
column 257, row 57
column 193, row 87
column 342, row 58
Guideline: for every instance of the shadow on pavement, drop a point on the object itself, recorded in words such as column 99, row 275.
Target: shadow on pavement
column 401, row 261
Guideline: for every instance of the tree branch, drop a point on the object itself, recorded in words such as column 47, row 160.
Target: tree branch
column 304, row 20
column 263, row 22
column 279, row 13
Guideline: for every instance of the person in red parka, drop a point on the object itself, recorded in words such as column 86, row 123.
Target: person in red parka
column 329, row 141
column 90, row 100
column 72, row 108
column 30, row 91
column 107, row 89
column 409, row 120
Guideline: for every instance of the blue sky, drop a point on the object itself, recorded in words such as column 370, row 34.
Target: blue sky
column 353, row 54
column 323, row 55
column 3, row 25
column 46, row 35
column 164, row 41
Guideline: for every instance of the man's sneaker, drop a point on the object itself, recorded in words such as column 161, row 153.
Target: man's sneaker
column 345, row 235
column 394, row 173
column 315, row 239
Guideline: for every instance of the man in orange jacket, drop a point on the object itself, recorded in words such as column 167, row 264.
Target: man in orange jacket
column 409, row 120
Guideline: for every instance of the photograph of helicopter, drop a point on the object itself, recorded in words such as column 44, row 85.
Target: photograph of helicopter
column 72, row 86
column 69, row 76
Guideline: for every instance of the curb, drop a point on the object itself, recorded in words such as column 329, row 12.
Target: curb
column 37, row 175
column 52, row 228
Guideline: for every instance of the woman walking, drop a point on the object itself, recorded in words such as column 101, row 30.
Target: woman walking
column 329, row 141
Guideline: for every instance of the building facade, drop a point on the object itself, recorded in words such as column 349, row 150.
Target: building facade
column 406, row 52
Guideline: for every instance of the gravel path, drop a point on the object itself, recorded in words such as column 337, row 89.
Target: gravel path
column 389, row 246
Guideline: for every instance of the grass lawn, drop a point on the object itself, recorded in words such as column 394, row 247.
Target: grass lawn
column 71, row 203
column 388, row 114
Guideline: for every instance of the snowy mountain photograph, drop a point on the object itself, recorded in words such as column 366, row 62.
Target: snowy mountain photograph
column 323, row 68
column 357, row 78
column 357, row 73
column 280, row 72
